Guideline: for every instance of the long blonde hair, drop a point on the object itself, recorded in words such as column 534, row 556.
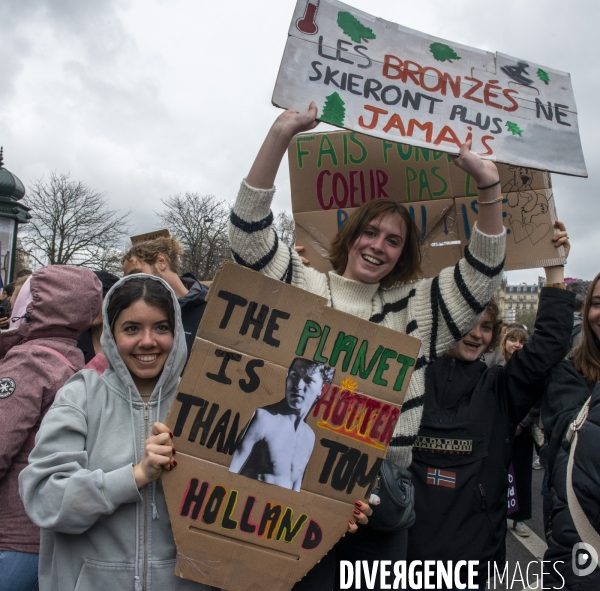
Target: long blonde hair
column 586, row 356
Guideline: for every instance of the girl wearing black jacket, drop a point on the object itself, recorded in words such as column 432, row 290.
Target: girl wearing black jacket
column 570, row 384
column 461, row 456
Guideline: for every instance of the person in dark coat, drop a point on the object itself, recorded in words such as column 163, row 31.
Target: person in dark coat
column 462, row 453
column 161, row 258
column 570, row 384
column 89, row 340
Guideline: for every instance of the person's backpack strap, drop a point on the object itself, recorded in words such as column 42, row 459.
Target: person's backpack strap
column 584, row 528
column 33, row 432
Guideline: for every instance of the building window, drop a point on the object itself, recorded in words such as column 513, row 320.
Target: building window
column 531, row 306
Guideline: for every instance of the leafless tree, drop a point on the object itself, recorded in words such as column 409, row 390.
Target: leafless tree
column 71, row 223
column 200, row 222
column 285, row 228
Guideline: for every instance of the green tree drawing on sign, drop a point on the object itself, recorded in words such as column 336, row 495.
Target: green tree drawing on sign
column 334, row 110
column 354, row 28
column 514, row 128
column 543, row 76
column 443, row 52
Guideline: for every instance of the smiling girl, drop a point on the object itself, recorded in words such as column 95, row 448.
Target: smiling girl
column 92, row 483
column 376, row 262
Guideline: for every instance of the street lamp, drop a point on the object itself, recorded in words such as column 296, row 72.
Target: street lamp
column 12, row 213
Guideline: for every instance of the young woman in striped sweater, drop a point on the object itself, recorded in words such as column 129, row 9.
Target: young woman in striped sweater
column 376, row 261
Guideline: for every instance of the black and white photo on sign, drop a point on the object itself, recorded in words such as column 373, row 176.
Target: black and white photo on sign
column 277, row 442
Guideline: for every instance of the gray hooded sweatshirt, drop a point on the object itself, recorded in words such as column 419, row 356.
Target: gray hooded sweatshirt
column 99, row 532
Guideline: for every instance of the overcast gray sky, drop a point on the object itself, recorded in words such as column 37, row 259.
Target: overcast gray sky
column 145, row 99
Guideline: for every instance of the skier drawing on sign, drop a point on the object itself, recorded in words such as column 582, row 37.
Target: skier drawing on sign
column 529, row 206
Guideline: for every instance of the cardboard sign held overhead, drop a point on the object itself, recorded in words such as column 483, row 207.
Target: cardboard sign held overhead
column 149, row 236
column 382, row 79
column 281, row 422
column 332, row 174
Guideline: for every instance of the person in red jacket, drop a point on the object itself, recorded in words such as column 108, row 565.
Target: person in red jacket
column 36, row 359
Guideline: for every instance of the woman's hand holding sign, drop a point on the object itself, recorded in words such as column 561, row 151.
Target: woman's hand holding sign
column 158, row 454
column 360, row 515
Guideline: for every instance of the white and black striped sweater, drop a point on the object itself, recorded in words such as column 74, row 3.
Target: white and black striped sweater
column 438, row 311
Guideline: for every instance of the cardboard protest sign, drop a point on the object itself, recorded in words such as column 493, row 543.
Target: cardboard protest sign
column 149, row 236
column 382, row 79
column 281, row 422
column 332, row 174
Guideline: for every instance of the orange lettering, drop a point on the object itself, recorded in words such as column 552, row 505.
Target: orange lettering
column 454, row 85
column 376, row 112
column 427, row 127
column 469, row 93
column 440, row 81
column 395, row 122
column 447, row 135
column 488, row 94
column 506, row 92
column 484, row 141
column 388, row 65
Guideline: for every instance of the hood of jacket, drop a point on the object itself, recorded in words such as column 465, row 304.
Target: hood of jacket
column 175, row 362
column 57, row 294
column 196, row 296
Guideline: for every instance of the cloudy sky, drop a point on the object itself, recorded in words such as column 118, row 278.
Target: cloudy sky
column 146, row 99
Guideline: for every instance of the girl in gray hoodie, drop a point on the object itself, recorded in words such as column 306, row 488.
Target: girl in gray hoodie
column 93, row 483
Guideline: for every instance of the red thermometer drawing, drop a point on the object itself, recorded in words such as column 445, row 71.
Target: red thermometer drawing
column 307, row 24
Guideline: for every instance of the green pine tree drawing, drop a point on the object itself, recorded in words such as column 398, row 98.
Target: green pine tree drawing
column 354, row 28
column 514, row 128
column 334, row 110
column 543, row 76
column 443, row 52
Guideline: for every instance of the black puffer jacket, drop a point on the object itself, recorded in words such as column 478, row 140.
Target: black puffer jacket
column 469, row 411
column 192, row 306
column 566, row 392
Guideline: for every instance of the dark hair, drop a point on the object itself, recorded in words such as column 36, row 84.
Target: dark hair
column 579, row 288
column 514, row 332
column 9, row 289
column 151, row 291
column 147, row 252
column 24, row 273
column 408, row 266
column 586, row 356
column 494, row 311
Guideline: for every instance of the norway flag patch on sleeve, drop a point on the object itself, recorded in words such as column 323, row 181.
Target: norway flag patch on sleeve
column 438, row 477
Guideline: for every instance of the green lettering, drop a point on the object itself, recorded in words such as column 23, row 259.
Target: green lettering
column 343, row 343
column 300, row 153
column 404, row 155
column 326, row 151
column 359, row 363
column 319, row 352
column 383, row 366
column 345, row 151
column 424, row 185
column 363, row 149
column 468, row 191
column 438, row 155
column 406, row 363
column 424, row 152
column 411, row 177
column 386, row 146
column 440, row 178
column 312, row 330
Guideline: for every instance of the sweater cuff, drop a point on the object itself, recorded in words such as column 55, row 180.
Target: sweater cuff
column 120, row 487
column 489, row 250
column 253, row 205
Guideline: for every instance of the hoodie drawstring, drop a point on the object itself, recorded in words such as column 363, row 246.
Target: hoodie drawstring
column 138, row 582
column 154, row 509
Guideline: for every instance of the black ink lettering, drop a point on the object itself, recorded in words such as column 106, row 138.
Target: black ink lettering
column 352, row 84
column 396, row 99
column 496, row 121
column 227, row 522
column 227, row 356
column 358, row 48
column 321, row 54
column 478, row 122
column 272, row 326
column 372, row 86
column 187, row 401
column 257, row 322
column 253, row 380
column 540, row 108
column 432, row 101
column 344, row 469
column 313, row 536
column 415, row 101
column 232, row 301
column 245, row 524
column 286, row 529
column 335, row 449
column 559, row 114
column 270, row 516
column 219, row 432
column 213, row 505
column 231, row 443
column 194, row 497
column 458, row 110
column 330, row 77
column 338, row 53
column 318, row 75
column 205, row 424
column 360, row 475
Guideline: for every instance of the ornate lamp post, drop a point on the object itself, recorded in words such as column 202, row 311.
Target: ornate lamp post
column 12, row 213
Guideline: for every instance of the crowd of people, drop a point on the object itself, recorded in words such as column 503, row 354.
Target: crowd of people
column 90, row 363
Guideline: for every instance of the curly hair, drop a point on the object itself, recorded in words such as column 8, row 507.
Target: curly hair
column 147, row 252
column 408, row 266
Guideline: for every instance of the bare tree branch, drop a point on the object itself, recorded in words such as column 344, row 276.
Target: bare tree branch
column 71, row 224
column 286, row 228
column 200, row 222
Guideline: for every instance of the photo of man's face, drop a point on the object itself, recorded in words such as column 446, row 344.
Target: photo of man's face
column 303, row 386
